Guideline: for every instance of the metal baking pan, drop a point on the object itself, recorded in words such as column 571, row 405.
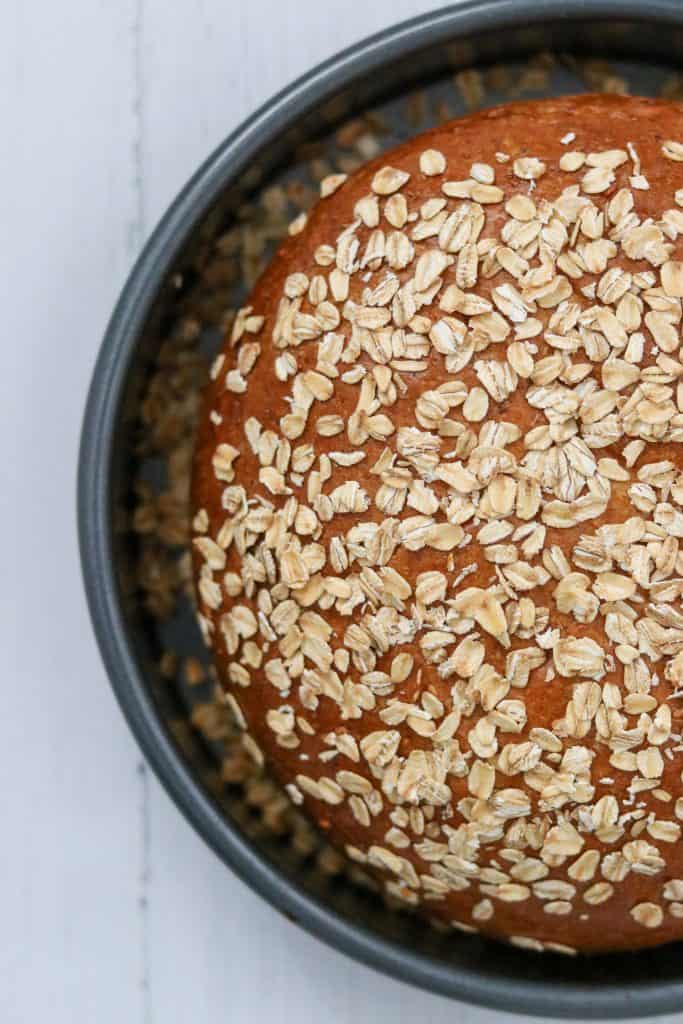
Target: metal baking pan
column 381, row 81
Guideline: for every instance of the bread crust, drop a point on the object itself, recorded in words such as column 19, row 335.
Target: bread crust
column 548, row 813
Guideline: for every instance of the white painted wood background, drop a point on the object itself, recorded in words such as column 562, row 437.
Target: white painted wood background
column 112, row 911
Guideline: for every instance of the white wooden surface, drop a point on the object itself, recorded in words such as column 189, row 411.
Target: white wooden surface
column 111, row 909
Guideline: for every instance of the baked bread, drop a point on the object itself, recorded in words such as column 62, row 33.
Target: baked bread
column 438, row 503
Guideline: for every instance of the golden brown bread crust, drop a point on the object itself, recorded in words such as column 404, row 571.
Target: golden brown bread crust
column 531, row 795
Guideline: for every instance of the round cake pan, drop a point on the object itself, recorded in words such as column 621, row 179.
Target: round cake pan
column 353, row 920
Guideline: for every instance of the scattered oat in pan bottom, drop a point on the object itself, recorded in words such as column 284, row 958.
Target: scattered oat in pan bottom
column 171, row 407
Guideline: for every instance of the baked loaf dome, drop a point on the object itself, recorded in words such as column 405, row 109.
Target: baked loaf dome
column 438, row 506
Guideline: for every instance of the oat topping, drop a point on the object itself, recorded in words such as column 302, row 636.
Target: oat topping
column 511, row 366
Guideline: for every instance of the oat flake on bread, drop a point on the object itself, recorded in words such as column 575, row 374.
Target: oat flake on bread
column 438, row 505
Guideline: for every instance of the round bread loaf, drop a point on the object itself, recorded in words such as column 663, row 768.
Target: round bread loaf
column 438, row 503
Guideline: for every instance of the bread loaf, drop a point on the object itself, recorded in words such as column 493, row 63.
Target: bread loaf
column 438, row 503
